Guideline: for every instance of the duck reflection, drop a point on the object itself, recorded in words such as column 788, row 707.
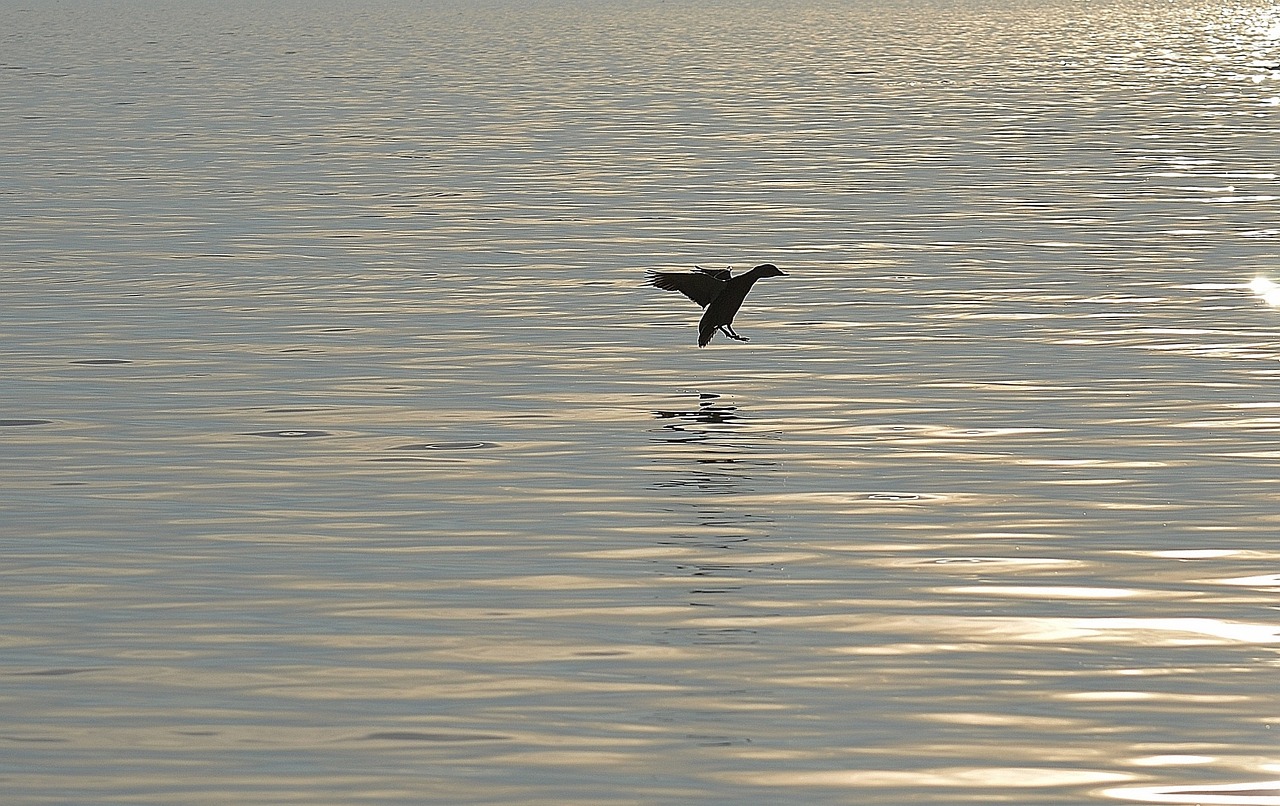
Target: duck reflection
column 726, row 460
column 708, row 411
column 709, row 454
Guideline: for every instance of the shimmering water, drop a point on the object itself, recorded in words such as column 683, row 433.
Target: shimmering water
column 345, row 459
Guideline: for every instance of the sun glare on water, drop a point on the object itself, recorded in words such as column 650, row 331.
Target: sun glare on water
column 1269, row 291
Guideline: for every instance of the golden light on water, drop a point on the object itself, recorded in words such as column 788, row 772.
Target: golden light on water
column 1268, row 290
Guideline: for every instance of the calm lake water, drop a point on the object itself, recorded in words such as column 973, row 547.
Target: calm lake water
column 347, row 460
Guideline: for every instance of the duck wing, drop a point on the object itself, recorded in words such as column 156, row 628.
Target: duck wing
column 701, row 286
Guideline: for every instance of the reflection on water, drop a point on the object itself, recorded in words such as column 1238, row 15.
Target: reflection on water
column 346, row 458
column 1267, row 289
column 709, row 411
column 708, row 450
column 1261, row 793
column 719, row 450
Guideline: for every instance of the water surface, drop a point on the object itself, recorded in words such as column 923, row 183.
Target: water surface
column 346, row 460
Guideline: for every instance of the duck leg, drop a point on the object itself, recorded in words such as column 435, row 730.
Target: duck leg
column 729, row 331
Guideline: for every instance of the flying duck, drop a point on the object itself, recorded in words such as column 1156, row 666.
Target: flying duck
column 717, row 291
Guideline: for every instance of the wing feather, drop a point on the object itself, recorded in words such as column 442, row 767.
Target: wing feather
column 701, row 286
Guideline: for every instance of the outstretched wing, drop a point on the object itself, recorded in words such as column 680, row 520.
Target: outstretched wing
column 701, row 286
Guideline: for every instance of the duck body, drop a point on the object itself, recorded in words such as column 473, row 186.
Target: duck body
column 718, row 292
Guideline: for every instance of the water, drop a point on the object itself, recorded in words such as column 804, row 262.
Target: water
column 347, row 461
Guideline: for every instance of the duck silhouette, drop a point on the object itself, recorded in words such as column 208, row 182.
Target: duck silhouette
column 717, row 291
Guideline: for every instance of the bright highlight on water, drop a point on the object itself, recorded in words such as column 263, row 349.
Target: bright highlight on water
column 1268, row 290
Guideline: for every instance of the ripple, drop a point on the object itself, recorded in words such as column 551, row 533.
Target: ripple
column 101, row 362
column 1042, row 591
column 34, row 739
column 414, row 736
column 445, row 446
column 1262, row 793
column 310, row 410
column 288, row 434
column 4, row 423
column 991, row 777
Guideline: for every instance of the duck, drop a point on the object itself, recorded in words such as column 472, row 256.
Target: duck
column 717, row 291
